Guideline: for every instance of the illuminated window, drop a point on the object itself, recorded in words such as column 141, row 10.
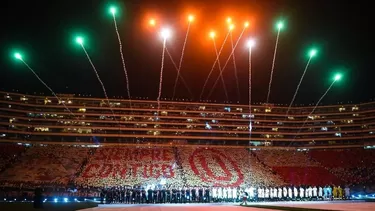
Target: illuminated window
column 290, row 117
column 267, row 143
column 70, row 102
column 279, row 123
column 247, row 116
column 155, row 133
column 239, row 109
column 268, row 110
column 256, row 110
column 275, row 129
column 324, row 129
column 355, row 108
column 41, row 129
column 202, row 108
column 242, row 128
column 82, row 110
column 164, row 113
column 227, row 109
column 23, row 98
column 338, row 134
column 47, row 101
column 208, row 126
column 341, row 109
column 355, row 114
column 84, row 130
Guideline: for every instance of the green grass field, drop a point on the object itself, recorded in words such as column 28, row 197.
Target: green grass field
column 49, row 206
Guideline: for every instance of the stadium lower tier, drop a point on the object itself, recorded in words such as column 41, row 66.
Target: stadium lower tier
column 60, row 165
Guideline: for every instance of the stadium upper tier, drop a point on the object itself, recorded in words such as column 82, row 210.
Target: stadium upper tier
column 93, row 120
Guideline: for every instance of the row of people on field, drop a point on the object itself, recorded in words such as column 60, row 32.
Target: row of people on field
column 141, row 195
column 218, row 194
column 286, row 192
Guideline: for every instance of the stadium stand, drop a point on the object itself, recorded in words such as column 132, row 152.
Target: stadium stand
column 353, row 166
column 52, row 164
column 297, row 168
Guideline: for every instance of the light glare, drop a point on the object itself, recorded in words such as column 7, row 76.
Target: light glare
column 229, row 20
column 313, row 52
column 338, row 77
column 212, row 34
column 165, row 33
column 280, row 25
column 112, row 10
column 152, row 22
column 251, row 43
column 246, row 24
column 191, row 18
column 231, row 27
column 18, row 56
column 79, row 40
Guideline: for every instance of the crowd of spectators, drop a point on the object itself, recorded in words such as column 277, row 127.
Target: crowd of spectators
column 9, row 153
column 224, row 167
column 297, row 167
column 45, row 165
column 353, row 166
column 111, row 166
column 84, row 168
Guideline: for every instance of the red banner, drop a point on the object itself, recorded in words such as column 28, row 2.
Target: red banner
column 230, row 174
column 128, row 171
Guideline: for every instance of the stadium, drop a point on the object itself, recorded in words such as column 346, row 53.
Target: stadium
column 190, row 146
column 117, row 122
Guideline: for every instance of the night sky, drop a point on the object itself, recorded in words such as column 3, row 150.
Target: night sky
column 44, row 32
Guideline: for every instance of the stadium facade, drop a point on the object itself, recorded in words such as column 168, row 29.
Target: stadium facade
column 70, row 119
